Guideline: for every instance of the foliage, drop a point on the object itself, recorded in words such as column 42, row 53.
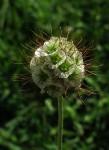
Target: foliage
column 28, row 120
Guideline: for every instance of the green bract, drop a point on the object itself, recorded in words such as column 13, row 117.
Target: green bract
column 57, row 66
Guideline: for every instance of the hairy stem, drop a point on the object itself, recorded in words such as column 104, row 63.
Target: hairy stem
column 60, row 122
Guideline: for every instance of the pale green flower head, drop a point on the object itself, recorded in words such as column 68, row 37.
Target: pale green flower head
column 57, row 66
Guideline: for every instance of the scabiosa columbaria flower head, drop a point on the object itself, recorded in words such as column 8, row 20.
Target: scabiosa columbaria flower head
column 57, row 66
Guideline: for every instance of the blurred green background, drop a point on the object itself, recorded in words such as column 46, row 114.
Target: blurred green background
column 28, row 120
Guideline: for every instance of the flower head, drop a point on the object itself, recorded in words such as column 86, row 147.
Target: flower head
column 57, row 65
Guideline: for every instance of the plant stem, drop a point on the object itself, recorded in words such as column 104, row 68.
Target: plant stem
column 60, row 122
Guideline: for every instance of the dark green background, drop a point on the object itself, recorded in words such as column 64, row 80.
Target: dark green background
column 28, row 120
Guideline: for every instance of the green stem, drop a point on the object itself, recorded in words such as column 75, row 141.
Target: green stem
column 60, row 123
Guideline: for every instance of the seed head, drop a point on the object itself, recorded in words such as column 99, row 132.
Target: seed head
column 57, row 66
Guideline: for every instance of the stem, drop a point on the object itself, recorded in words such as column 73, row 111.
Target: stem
column 60, row 123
